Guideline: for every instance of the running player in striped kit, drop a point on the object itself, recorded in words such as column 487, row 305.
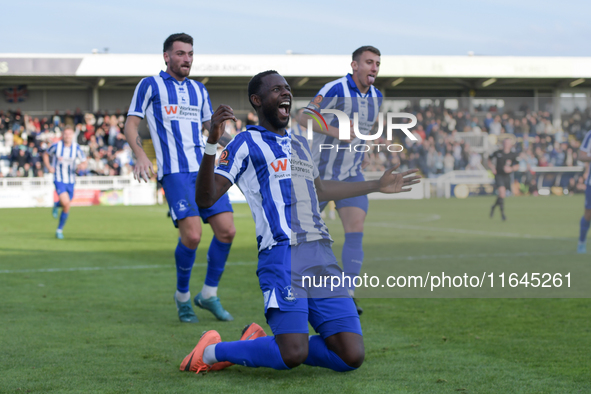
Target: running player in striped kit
column 353, row 94
column 585, row 156
column 277, row 175
column 63, row 156
column 177, row 109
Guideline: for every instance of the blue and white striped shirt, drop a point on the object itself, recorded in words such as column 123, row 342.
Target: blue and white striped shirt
column 276, row 175
column 343, row 94
column 175, row 113
column 586, row 147
column 63, row 159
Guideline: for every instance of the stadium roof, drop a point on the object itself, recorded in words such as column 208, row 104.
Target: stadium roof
column 463, row 72
column 115, row 65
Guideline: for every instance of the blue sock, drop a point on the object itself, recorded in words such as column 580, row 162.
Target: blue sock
column 216, row 261
column 57, row 204
column 260, row 352
column 320, row 356
column 352, row 255
column 184, row 258
column 63, row 218
column 584, row 228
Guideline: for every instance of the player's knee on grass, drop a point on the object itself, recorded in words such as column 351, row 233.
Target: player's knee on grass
column 293, row 348
column 349, row 347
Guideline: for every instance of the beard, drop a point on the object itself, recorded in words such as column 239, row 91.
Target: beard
column 271, row 115
column 179, row 71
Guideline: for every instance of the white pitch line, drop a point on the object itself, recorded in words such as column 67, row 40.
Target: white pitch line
column 466, row 231
column 394, row 258
column 468, row 256
column 124, row 267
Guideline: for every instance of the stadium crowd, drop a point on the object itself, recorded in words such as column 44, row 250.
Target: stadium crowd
column 439, row 149
column 24, row 139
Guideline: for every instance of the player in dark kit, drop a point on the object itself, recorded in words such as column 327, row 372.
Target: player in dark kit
column 506, row 163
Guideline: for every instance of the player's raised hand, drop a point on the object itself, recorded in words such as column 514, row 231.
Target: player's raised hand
column 218, row 122
column 143, row 169
column 392, row 182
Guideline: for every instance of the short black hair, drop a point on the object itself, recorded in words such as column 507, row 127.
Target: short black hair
column 359, row 51
column 256, row 82
column 182, row 37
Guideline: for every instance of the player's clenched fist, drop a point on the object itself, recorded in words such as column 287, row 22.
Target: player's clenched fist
column 218, row 122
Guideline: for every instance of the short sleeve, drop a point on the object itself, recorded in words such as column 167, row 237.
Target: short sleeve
column 586, row 144
column 206, row 108
column 141, row 98
column 234, row 159
column 52, row 150
column 328, row 98
column 80, row 154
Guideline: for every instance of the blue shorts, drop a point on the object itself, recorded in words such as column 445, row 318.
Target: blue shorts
column 588, row 197
column 287, row 306
column 359, row 201
column 61, row 187
column 179, row 189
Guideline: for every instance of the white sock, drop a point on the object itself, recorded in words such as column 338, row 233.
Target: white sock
column 209, row 355
column 183, row 297
column 209, row 291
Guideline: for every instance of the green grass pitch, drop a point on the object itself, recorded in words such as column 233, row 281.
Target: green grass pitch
column 104, row 320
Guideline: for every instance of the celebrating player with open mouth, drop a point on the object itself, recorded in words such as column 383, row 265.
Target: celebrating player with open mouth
column 276, row 173
column 177, row 108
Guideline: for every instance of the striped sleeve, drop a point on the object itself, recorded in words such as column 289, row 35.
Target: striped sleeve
column 52, row 150
column 206, row 108
column 141, row 98
column 80, row 154
column 586, row 144
column 327, row 97
column 234, row 159
column 329, row 93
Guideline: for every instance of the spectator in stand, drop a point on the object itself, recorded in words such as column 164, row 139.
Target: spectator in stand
column 252, row 119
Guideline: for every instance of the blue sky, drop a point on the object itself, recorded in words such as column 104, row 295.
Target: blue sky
column 501, row 27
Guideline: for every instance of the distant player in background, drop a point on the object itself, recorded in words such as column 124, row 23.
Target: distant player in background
column 505, row 164
column 353, row 93
column 63, row 156
column 177, row 109
column 585, row 156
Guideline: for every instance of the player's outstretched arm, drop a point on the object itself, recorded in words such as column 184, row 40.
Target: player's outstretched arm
column 210, row 186
column 584, row 156
column 390, row 182
column 143, row 166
